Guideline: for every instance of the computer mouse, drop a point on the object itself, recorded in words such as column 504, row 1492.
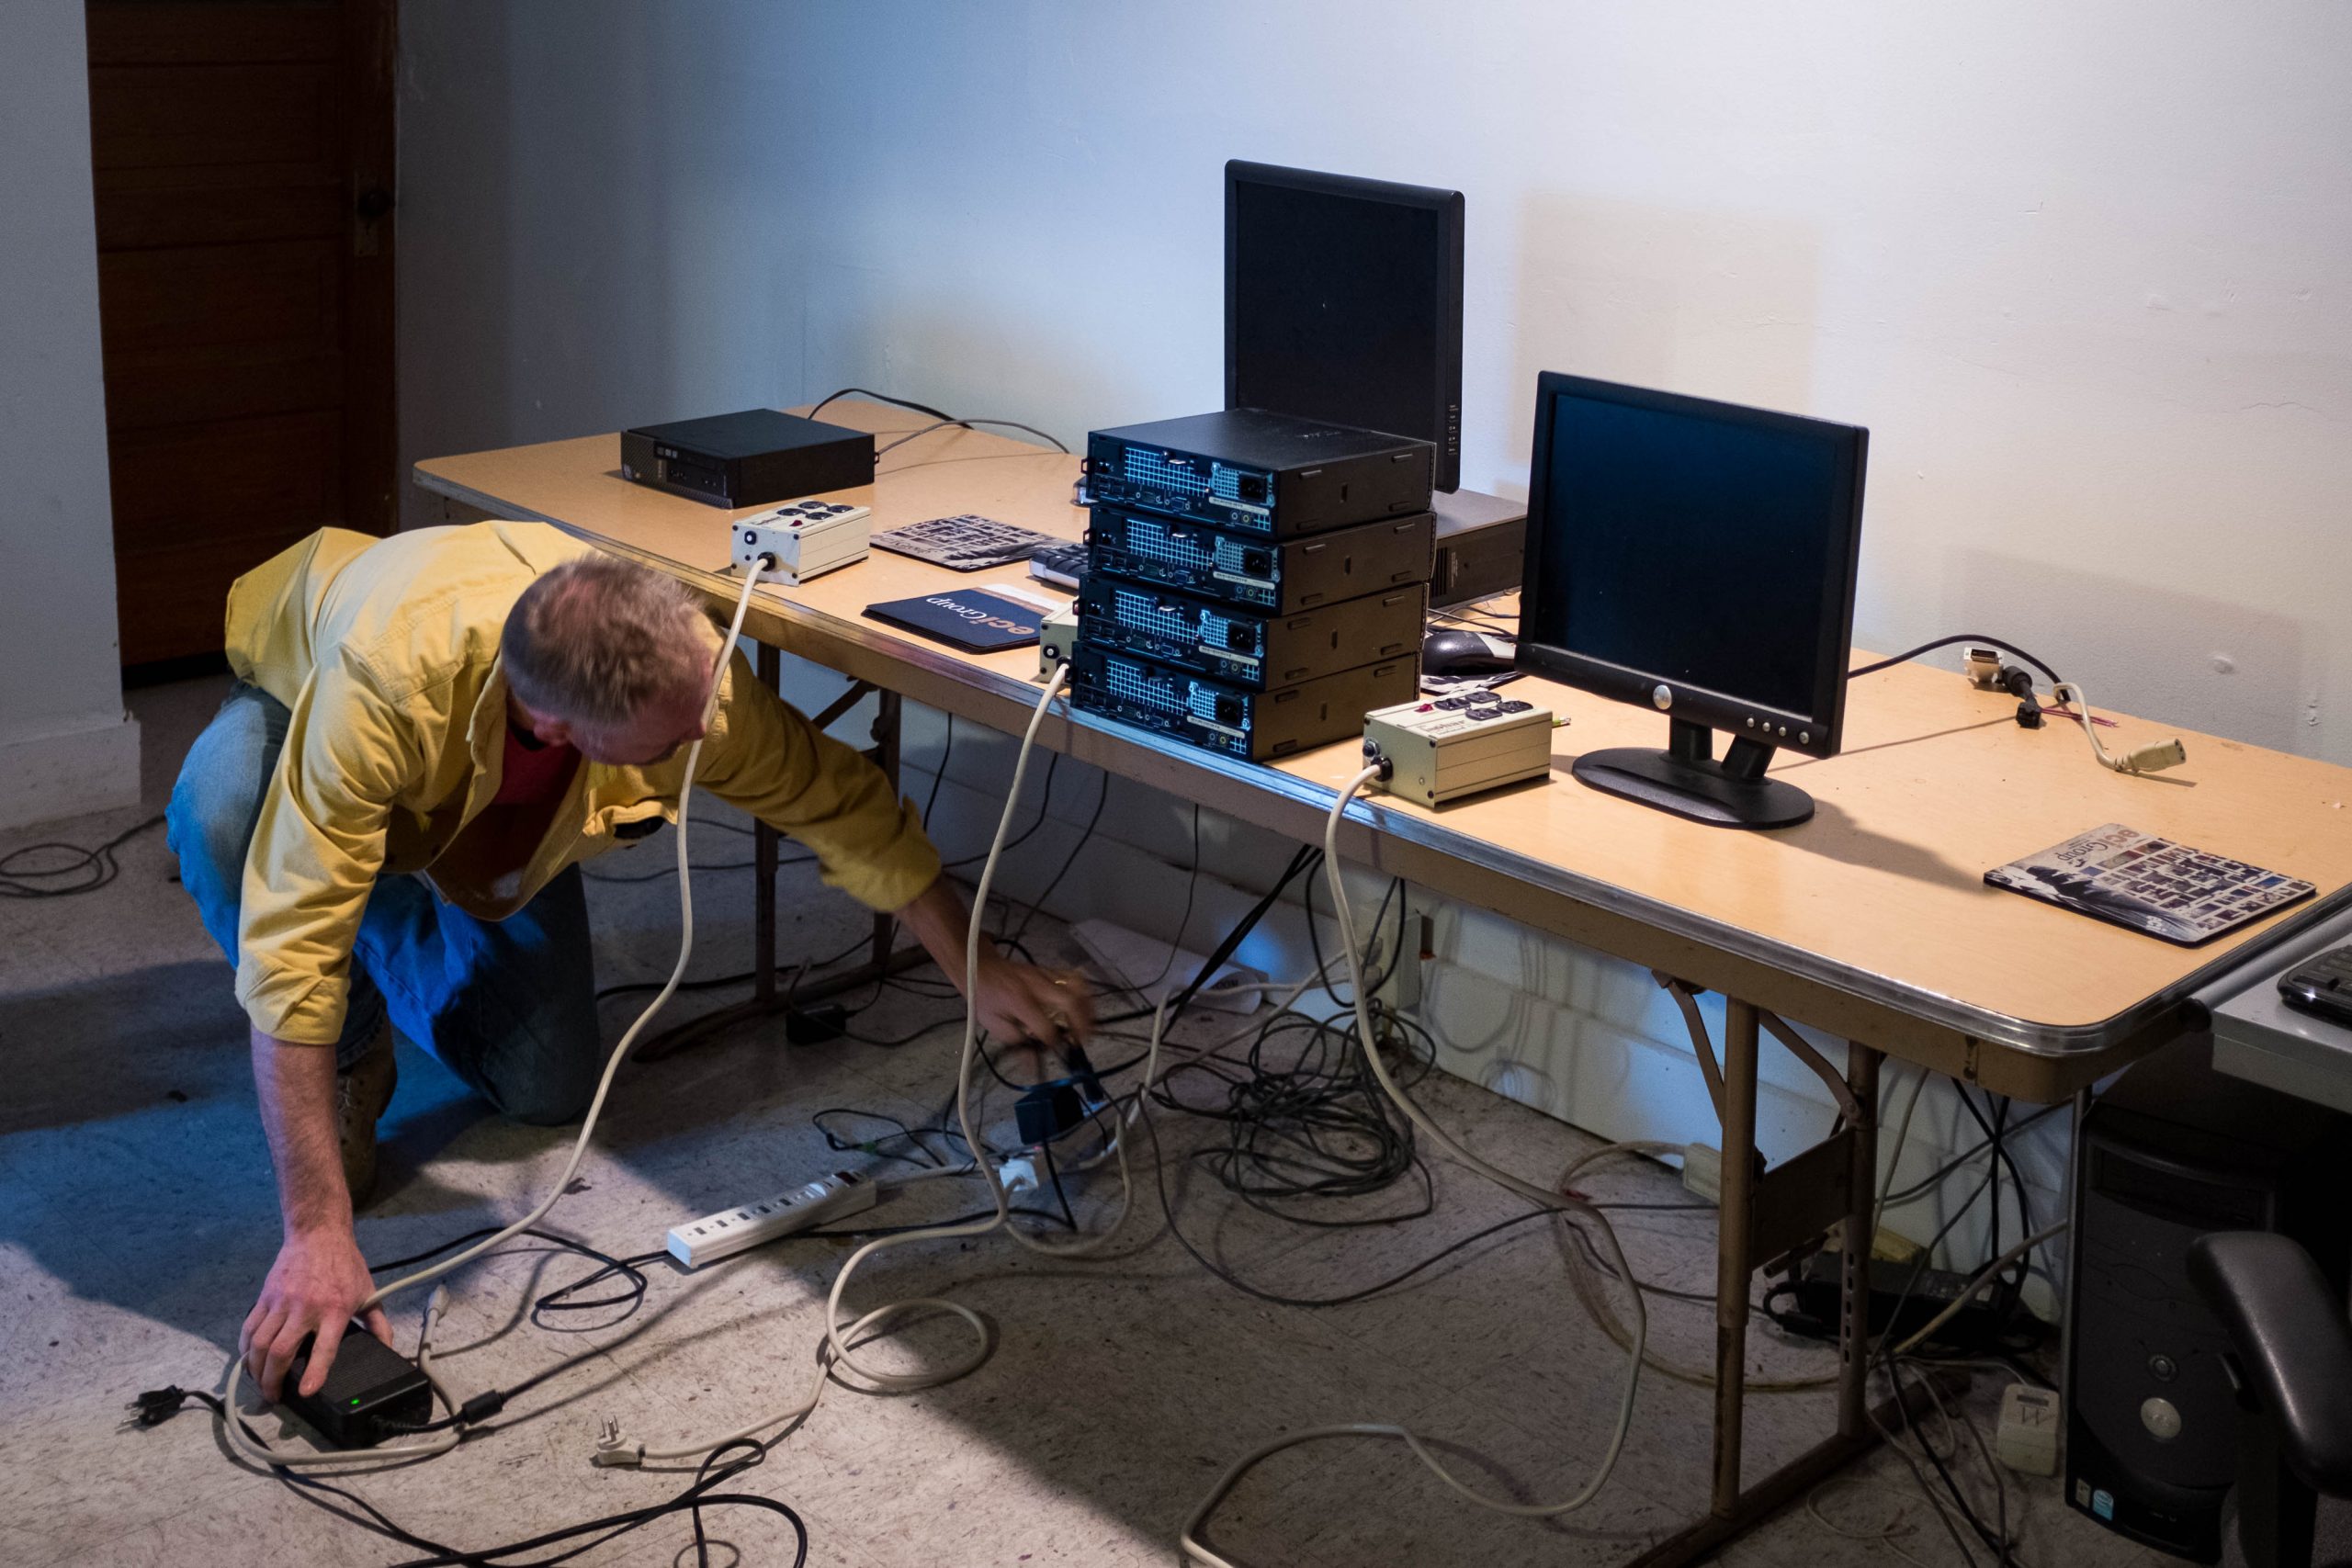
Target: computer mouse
column 1458, row 650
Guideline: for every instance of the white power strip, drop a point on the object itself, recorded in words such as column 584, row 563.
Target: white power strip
column 804, row 538
column 730, row 1230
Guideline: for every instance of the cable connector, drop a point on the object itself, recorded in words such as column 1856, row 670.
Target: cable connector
column 1376, row 757
column 157, row 1406
column 613, row 1451
column 2154, row 759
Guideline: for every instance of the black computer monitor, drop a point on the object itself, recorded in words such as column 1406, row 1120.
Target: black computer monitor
column 1344, row 303
column 1696, row 558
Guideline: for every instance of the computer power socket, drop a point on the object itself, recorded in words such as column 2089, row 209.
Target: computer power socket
column 731, row 1231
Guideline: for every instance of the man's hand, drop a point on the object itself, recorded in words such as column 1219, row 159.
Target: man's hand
column 315, row 1287
column 1015, row 1001
column 1020, row 1001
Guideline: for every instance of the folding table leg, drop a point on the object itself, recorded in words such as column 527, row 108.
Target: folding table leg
column 888, row 713
column 763, row 861
column 1761, row 1217
column 1733, row 1264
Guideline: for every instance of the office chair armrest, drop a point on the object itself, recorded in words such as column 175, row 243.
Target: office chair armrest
column 2293, row 1343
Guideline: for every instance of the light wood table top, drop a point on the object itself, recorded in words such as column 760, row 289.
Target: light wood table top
column 1871, row 920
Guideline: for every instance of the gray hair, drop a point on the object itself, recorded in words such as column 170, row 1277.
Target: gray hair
column 596, row 639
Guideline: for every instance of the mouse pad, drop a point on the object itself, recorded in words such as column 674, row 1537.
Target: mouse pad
column 2169, row 890
column 974, row 622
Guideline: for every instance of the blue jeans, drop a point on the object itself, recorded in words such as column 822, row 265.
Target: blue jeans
column 509, row 1006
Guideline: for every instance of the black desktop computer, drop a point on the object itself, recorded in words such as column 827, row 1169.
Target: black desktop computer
column 1696, row 557
column 2175, row 1150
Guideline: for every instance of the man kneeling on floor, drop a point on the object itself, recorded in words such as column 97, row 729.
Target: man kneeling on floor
column 383, row 828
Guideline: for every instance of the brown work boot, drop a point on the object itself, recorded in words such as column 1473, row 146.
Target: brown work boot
column 361, row 1093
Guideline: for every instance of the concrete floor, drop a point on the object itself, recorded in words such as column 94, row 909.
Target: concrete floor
column 137, row 1219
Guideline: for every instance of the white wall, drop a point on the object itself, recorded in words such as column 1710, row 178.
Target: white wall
column 2082, row 269
column 66, row 746
column 2086, row 271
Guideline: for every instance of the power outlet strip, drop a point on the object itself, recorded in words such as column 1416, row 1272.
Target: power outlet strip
column 1441, row 748
column 1056, row 641
column 804, row 538
column 731, row 1231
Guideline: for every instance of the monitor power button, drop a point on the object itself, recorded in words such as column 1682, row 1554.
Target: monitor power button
column 1662, row 696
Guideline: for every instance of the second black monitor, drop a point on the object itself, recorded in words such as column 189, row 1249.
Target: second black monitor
column 1344, row 303
column 1697, row 559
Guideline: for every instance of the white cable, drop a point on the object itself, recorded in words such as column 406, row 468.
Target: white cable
column 2146, row 759
column 587, row 1126
column 1367, row 1040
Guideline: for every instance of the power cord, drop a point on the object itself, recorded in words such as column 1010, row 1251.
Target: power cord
column 889, row 447
column 1907, row 655
column 942, row 415
column 1367, row 1041
column 89, row 869
column 2069, row 693
column 837, row 1359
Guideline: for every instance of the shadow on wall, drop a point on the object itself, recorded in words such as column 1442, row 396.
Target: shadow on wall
column 867, row 326
column 538, row 296
column 455, row 257
column 2148, row 650
column 1713, row 304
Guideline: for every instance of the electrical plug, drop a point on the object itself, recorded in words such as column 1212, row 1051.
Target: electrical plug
column 2155, row 759
column 613, row 1451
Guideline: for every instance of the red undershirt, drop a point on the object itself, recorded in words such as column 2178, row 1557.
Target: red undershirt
column 498, row 844
column 533, row 774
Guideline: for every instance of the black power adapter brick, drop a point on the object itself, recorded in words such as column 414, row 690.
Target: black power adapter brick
column 1813, row 1294
column 369, row 1388
column 1046, row 1111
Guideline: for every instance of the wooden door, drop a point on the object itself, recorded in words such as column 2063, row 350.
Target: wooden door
column 242, row 155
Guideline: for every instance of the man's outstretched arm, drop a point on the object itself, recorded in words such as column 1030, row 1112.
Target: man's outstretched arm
column 319, row 1278
column 1015, row 1001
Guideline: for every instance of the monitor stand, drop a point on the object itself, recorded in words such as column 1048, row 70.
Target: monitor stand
column 1686, row 780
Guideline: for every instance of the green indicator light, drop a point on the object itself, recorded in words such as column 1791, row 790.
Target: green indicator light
column 355, row 1399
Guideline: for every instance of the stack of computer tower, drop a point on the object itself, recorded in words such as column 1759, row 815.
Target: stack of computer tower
column 1255, row 583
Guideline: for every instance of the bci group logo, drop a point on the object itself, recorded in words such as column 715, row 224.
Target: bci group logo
column 979, row 616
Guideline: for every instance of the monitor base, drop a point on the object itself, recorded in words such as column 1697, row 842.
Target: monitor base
column 1700, row 789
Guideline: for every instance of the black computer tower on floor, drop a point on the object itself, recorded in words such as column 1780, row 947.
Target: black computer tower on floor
column 2172, row 1151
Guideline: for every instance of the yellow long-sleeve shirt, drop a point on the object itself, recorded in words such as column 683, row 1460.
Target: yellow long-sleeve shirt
column 385, row 652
